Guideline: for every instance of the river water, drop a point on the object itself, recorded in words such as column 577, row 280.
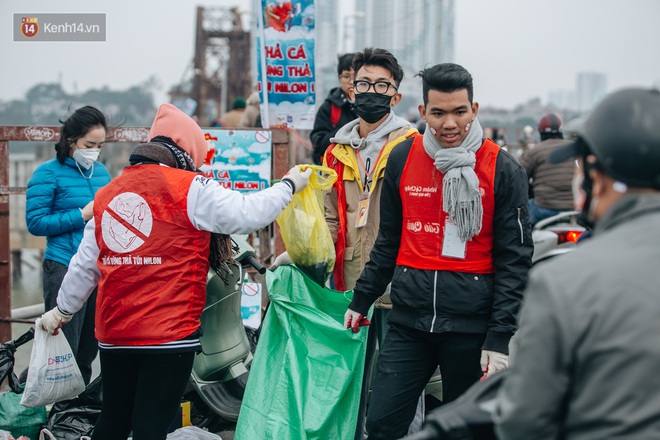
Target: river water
column 26, row 291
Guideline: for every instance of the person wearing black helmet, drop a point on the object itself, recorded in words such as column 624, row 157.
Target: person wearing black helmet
column 550, row 182
column 586, row 359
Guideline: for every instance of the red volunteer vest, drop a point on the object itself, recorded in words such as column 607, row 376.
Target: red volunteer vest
column 424, row 221
column 153, row 261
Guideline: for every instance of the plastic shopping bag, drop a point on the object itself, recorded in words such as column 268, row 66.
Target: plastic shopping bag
column 192, row 433
column 304, row 230
column 53, row 374
column 306, row 375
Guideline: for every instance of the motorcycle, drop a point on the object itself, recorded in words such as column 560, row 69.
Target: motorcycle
column 556, row 235
column 220, row 370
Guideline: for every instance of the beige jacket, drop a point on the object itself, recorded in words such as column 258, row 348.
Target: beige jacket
column 232, row 118
column 359, row 241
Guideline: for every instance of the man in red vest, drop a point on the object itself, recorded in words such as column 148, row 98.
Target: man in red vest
column 455, row 242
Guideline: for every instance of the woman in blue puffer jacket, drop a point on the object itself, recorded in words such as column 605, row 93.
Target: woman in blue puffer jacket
column 59, row 201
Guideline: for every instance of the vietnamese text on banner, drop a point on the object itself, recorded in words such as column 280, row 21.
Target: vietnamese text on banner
column 239, row 159
column 285, row 60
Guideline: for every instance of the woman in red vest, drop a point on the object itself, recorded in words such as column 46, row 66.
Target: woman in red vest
column 156, row 230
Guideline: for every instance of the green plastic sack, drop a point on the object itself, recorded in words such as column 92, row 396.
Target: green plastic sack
column 306, row 375
column 304, row 230
column 18, row 419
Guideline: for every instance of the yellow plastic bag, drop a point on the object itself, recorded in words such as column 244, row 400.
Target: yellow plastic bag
column 304, row 230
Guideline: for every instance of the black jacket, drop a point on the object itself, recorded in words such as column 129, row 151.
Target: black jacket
column 323, row 129
column 445, row 301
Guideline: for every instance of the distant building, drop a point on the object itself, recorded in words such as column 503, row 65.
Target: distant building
column 417, row 32
column 562, row 99
column 326, row 24
column 420, row 33
column 591, row 88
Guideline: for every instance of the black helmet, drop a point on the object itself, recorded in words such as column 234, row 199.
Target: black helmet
column 623, row 132
column 550, row 123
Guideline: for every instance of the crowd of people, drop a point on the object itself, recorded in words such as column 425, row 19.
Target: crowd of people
column 432, row 228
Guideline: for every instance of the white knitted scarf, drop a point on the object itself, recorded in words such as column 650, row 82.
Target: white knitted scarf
column 460, row 186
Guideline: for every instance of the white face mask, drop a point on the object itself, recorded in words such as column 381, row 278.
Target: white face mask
column 86, row 156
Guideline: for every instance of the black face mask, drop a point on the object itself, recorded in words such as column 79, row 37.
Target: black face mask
column 371, row 106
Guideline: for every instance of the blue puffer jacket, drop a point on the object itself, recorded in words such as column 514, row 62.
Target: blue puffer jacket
column 55, row 195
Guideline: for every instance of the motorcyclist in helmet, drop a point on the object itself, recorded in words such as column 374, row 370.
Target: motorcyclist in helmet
column 550, row 186
column 587, row 354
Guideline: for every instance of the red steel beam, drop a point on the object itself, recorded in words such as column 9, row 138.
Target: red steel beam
column 5, row 281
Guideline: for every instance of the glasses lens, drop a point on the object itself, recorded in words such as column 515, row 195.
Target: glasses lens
column 362, row 86
column 381, row 87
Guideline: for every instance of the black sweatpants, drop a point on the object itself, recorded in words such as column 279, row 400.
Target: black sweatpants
column 407, row 361
column 377, row 332
column 142, row 392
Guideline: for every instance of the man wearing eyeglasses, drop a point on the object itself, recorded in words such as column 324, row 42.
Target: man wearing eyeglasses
column 358, row 154
column 455, row 243
column 336, row 111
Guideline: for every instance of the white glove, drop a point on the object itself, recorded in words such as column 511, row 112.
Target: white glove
column 354, row 320
column 297, row 179
column 53, row 319
column 281, row 260
column 493, row 361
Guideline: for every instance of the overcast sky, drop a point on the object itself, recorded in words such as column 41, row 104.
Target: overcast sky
column 515, row 49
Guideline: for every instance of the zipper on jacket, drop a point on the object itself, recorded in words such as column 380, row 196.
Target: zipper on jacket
column 522, row 235
column 435, row 299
